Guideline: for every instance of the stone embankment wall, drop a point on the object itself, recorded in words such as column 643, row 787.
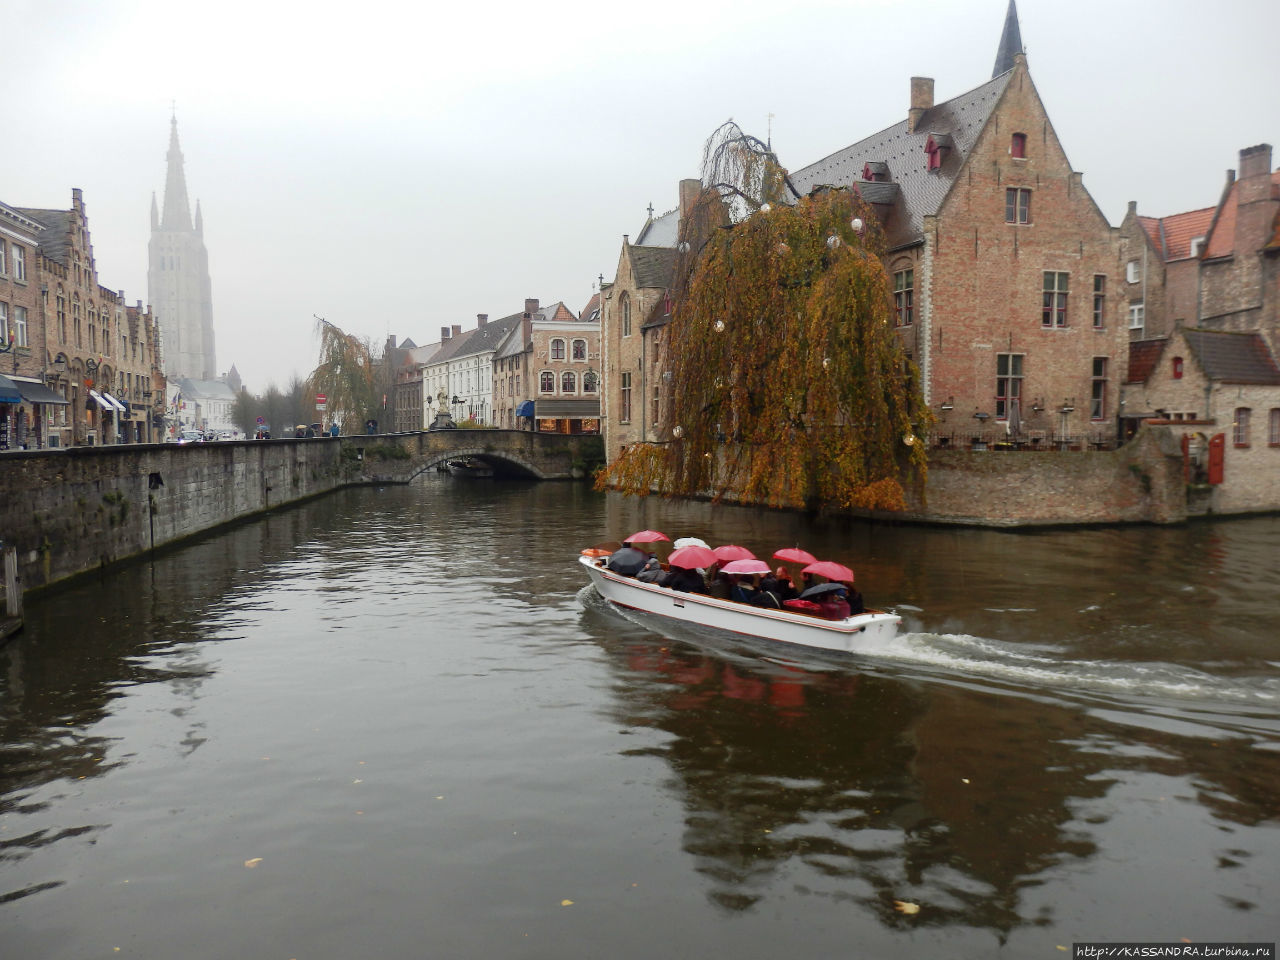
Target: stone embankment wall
column 79, row 509
column 85, row 507
column 1142, row 482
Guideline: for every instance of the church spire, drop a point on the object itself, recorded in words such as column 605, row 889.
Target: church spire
column 1010, row 42
column 177, row 212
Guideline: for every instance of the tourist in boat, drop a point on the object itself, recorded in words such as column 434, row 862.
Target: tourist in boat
column 627, row 561
column 742, row 590
column 686, row 581
column 834, row 606
column 651, row 572
column 779, row 584
column 720, row 585
column 856, row 606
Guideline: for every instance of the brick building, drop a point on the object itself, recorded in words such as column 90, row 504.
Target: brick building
column 1203, row 362
column 1004, row 270
column 89, row 348
column 546, row 372
column 634, row 311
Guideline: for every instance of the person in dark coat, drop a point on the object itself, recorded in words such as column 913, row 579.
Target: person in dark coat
column 651, row 572
column 834, row 606
column 688, row 581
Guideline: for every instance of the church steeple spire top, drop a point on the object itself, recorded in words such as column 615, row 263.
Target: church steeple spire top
column 1010, row 42
column 177, row 211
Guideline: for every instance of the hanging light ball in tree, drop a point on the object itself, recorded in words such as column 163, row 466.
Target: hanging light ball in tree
column 857, row 224
column 683, row 246
column 677, row 431
column 833, row 241
column 909, row 439
column 765, row 208
column 826, row 363
column 718, row 326
column 782, row 248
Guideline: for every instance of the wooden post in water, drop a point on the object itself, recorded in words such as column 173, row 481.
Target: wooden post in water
column 12, row 589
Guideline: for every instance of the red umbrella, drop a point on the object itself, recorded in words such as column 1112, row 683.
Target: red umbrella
column 745, row 566
column 732, row 552
column 795, row 555
column 692, row 557
column 831, row 570
column 646, row 536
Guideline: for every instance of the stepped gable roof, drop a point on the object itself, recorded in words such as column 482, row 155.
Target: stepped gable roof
column 1172, row 235
column 1143, row 357
column 661, row 232
column 55, row 241
column 652, row 266
column 922, row 190
column 1229, row 357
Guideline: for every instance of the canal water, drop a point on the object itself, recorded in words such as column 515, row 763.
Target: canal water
column 394, row 723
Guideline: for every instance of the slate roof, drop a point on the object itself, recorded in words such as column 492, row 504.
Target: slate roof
column 1143, row 357
column 484, row 339
column 1228, row 357
column 659, row 314
column 1172, row 235
column 55, row 241
column 592, row 310
column 922, row 190
column 662, row 232
column 652, row 266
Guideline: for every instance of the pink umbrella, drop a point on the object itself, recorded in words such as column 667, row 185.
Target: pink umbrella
column 830, row 569
column 692, row 557
column 745, row 566
column 794, row 555
column 731, row 552
column 646, row 536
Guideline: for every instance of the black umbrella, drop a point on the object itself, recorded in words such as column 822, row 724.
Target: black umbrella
column 628, row 561
column 822, row 588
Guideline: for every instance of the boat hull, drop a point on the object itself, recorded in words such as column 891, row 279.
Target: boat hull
column 863, row 632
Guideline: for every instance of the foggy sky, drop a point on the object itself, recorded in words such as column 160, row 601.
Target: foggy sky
column 396, row 170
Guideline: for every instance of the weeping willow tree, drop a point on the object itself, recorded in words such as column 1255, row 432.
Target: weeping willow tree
column 345, row 375
column 789, row 386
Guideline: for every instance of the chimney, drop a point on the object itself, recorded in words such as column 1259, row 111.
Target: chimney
column 444, row 334
column 530, row 307
column 481, row 319
column 921, row 100
column 689, row 192
column 1255, row 161
column 457, row 329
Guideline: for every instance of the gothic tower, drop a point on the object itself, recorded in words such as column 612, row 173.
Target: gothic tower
column 178, row 277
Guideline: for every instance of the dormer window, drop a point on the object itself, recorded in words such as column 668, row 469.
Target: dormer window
column 937, row 147
column 1018, row 146
column 875, row 171
column 1197, row 246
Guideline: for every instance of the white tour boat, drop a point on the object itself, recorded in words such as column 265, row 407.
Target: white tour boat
column 865, row 630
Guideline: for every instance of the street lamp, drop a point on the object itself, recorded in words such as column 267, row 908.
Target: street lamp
column 7, row 346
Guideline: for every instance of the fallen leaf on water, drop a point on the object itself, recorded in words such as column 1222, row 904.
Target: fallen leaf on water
column 964, row 779
column 253, row 863
column 566, row 903
column 1062, row 948
column 357, row 781
column 904, row 906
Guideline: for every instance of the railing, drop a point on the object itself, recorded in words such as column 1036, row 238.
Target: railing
column 1033, row 440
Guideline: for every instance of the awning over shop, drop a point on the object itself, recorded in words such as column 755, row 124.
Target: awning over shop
column 565, row 409
column 34, row 391
column 9, row 391
column 114, row 402
column 525, row 409
column 102, row 401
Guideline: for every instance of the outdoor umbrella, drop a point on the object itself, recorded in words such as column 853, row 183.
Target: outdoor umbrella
column 691, row 542
column 628, row 561
column 820, row 589
column 692, row 557
column 794, row 555
column 830, row 569
column 647, row 536
column 732, row 552
column 745, row 566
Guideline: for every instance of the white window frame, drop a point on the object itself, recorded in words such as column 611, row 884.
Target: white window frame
column 19, row 262
column 1132, row 271
column 20, row 325
column 1138, row 315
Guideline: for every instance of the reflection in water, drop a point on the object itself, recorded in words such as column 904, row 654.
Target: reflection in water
column 406, row 703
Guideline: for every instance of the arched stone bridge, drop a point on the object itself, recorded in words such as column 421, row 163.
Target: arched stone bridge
column 399, row 457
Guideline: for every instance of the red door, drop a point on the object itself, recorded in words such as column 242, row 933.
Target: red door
column 1217, row 443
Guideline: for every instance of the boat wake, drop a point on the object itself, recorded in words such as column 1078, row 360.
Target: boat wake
column 1147, row 692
